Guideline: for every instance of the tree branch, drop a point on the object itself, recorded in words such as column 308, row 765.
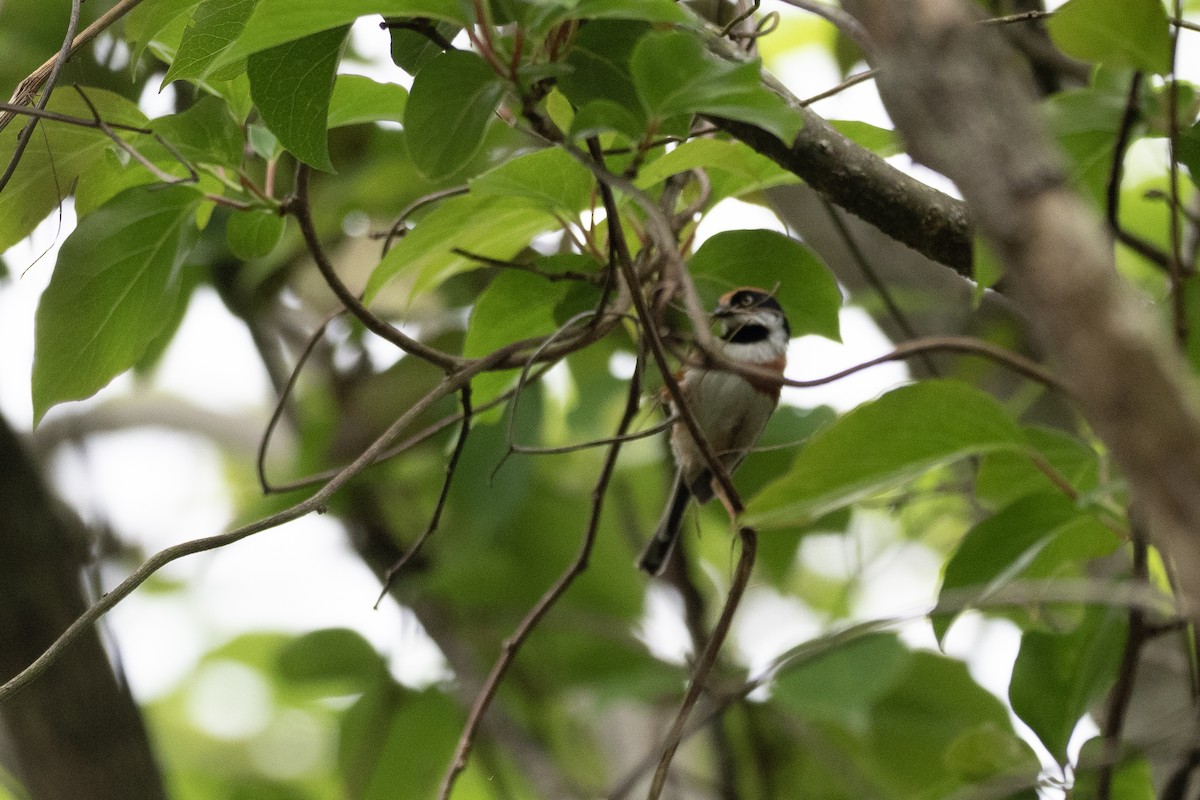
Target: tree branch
column 972, row 120
column 704, row 665
column 929, row 221
column 512, row 644
column 316, row 502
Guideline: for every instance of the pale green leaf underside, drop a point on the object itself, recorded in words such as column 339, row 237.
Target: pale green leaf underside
column 357, row 99
column 496, row 227
column 881, row 445
column 57, row 155
column 1120, row 33
column 803, row 285
column 111, row 293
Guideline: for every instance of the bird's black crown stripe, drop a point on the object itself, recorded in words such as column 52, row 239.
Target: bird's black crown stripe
column 749, row 298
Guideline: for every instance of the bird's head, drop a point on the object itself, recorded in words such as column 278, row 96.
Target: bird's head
column 749, row 315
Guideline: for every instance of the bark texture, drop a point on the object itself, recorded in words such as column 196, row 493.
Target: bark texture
column 76, row 733
column 952, row 91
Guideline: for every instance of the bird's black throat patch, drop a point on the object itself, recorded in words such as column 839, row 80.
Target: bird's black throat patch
column 747, row 334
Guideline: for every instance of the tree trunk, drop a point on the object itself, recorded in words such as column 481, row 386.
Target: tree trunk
column 75, row 732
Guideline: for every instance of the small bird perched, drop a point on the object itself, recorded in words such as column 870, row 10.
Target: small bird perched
column 730, row 409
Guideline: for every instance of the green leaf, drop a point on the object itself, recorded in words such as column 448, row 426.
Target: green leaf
column 147, row 19
column 214, row 26
column 112, row 291
column 333, row 655
column 275, row 22
column 412, row 50
column 880, row 141
column 549, row 178
column 1085, row 123
column 1189, row 151
column 451, row 103
column 292, row 85
column 57, row 155
column 516, row 305
column 189, row 278
column 397, row 745
column 542, row 15
column 1057, row 677
column 917, row 725
column 253, row 234
column 989, row 751
column 599, row 71
column 601, row 116
column 986, row 268
column 883, row 444
column 733, row 167
column 664, row 11
column 1032, row 538
column 1122, row 33
column 204, row 133
column 1005, row 476
column 843, row 685
column 495, row 227
column 105, row 179
column 806, row 288
column 357, row 99
column 674, row 75
column 1131, row 779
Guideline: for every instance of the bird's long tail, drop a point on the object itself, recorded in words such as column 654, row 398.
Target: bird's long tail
column 658, row 549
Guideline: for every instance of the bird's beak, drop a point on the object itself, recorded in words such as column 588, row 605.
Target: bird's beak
column 722, row 312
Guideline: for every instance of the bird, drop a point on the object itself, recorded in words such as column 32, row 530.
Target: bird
column 730, row 409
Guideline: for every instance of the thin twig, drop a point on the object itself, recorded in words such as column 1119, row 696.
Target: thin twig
column 277, row 414
column 566, row 275
column 54, row 116
column 1116, row 168
column 848, row 25
column 1024, row 16
column 316, row 502
column 298, row 206
column 741, row 578
column 412, row 441
column 520, row 449
column 1122, row 691
column 162, row 175
column 522, row 379
column 881, row 289
column 665, row 242
column 740, row 18
column 27, row 88
column 511, row 645
column 955, row 344
column 451, row 467
column 1178, row 306
column 397, row 227
column 1146, row 249
column 853, row 80
column 26, row 133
